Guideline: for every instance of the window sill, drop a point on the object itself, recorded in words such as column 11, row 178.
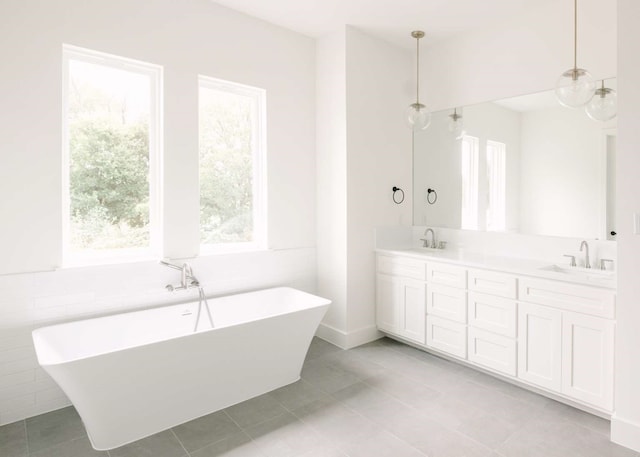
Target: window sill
column 231, row 248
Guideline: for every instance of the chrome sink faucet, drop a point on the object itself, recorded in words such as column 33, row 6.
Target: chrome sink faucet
column 425, row 240
column 585, row 245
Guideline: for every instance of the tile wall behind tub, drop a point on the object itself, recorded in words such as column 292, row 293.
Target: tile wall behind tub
column 32, row 300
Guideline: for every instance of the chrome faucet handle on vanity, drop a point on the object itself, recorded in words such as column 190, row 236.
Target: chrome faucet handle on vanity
column 573, row 259
column 603, row 263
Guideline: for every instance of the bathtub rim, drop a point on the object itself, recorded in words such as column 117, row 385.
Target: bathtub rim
column 38, row 334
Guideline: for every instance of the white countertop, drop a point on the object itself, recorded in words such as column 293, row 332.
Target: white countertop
column 527, row 267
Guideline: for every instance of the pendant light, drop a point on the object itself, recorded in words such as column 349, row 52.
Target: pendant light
column 575, row 87
column 456, row 125
column 418, row 116
column 604, row 104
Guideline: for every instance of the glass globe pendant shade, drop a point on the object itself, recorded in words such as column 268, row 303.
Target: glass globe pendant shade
column 575, row 88
column 456, row 125
column 418, row 117
column 603, row 106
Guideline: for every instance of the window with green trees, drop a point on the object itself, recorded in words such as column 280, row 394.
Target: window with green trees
column 111, row 128
column 232, row 148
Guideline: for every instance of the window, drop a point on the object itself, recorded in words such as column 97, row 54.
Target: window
column 232, row 154
column 111, row 156
column 469, row 172
column 496, row 176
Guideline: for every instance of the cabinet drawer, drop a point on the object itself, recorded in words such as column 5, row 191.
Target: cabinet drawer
column 572, row 297
column 494, row 314
column 492, row 282
column 447, row 302
column 447, row 336
column 402, row 266
column 447, row 275
column 492, row 351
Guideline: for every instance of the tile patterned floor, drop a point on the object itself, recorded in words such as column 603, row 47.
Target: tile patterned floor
column 383, row 399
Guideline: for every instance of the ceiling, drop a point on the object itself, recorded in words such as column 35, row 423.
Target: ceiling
column 391, row 20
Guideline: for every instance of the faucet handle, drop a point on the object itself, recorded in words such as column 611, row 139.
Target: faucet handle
column 425, row 242
column 573, row 259
column 603, row 263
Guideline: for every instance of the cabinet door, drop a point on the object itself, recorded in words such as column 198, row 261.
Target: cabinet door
column 447, row 336
column 386, row 303
column 539, row 345
column 412, row 309
column 587, row 359
column 493, row 351
column 447, row 302
column 495, row 314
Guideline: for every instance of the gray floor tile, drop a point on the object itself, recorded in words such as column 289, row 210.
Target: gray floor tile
column 284, row 436
column 351, row 363
column 488, row 429
column 238, row 445
column 13, row 440
column 53, row 428
column 80, row 447
column 163, row 444
column 557, row 410
column 335, row 422
column 407, row 390
column 326, row 376
column 297, row 394
column 324, row 450
column 256, row 410
column 205, row 430
column 382, row 445
column 320, row 347
column 439, row 441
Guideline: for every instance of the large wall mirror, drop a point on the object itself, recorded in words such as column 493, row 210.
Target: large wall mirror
column 523, row 165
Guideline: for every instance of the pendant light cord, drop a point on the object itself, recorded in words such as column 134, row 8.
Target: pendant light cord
column 418, row 70
column 575, row 35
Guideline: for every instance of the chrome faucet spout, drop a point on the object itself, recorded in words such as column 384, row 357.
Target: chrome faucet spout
column 585, row 245
column 425, row 240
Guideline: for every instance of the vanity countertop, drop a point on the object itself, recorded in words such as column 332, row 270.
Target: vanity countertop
column 518, row 266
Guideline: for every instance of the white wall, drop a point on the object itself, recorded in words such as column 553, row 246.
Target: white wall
column 331, row 164
column 187, row 38
column 625, row 426
column 378, row 151
column 364, row 150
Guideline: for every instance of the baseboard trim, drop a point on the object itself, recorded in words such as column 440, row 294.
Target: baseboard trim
column 625, row 433
column 348, row 340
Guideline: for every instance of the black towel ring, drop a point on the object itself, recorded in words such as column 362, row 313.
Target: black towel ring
column 397, row 189
column 432, row 200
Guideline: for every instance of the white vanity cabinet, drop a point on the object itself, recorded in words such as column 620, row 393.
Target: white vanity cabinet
column 566, row 339
column 401, row 297
column 548, row 333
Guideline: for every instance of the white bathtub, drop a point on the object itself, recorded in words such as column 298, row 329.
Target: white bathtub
column 134, row 374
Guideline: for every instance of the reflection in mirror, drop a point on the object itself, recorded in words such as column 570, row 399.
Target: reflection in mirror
column 524, row 165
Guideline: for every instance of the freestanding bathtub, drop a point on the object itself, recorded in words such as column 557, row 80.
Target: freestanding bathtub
column 134, row 374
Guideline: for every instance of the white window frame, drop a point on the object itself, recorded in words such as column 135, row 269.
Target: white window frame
column 259, row 160
column 155, row 73
column 469, row 212
column 497, row 182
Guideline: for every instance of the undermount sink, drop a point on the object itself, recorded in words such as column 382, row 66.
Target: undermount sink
column 586, row 273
